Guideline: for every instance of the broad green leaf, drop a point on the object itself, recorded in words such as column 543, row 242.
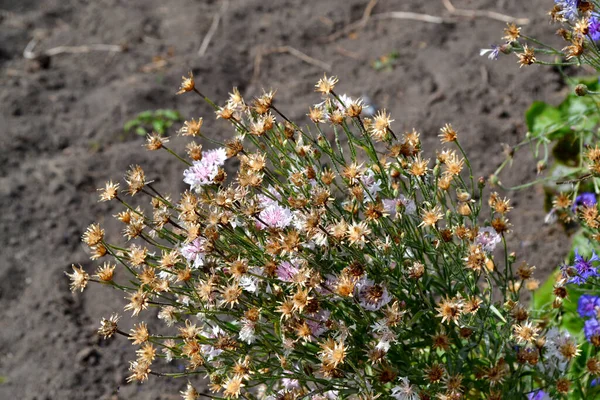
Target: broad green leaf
column 543, row 120
column 129, row 125
column 146, row 115
column 544, row 296
column 498, row 313
column 158, row 126
column 172, row 115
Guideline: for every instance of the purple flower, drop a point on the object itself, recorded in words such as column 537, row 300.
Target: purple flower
column 286, row 271
column 488, row 238
column 494, row 51
column 372, row 296
column 274, row 216
column 568, row 8
column 582, row 269
column 538, row 395
column 584, row 199
column 591, row 329
column 203, row 172
column 587, row 304
column 195, row 251
column 595, row 382
column 594, row 28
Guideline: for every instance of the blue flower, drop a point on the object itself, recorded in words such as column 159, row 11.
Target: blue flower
column 594, row 28
column 586, row 198
column 568, row 8
column 595, row 382
column 591, row 329
column 538, row 395
column 494, row 51
column 586, row 307
column 582, row 269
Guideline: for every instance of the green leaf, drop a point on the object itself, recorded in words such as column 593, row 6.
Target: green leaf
column 129, row 125
column 544, row 120
column 544, row 296
column 145, row 115
column 140, row 131
column 158, row 126
column 497, row 312
column 172, row 115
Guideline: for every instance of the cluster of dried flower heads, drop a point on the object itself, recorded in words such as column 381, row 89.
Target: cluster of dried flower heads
column 336, row 262
column 580, row 28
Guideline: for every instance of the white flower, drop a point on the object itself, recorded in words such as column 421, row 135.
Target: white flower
column 488, row 238
column 210, row 351
column 405, row 391
column 372, row 296
column 249, row 283
column 275, row 216
column 247, row 333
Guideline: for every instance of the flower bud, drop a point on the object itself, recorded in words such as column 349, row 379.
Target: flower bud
column 506, row 48
column 581, row 90
column 481, row 182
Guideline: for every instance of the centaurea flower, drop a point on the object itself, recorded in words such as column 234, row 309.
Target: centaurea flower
column 588, row 306
column 488, row 238
column 493, row 50
column 584, row 199
column 583, row 269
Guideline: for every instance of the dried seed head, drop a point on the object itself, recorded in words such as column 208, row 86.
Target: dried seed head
column 93, row 235
column 105, row 272
column 109, row 192
column 139, row 333
column 155, row 142
column 187, row 84
column 191, row 127
column 136, row 179
column 448, row 134
column 108, row 327
column 190, row 393
column 563, row 385
column 326, row 85
column 79, row 278
column 511, row 32
column 138, row 301
column 527, row 57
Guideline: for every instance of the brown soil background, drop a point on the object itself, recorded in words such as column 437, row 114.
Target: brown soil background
column 61, row 137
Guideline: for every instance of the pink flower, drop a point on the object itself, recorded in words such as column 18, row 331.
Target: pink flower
column 204, row 171
column 286, row 271
column 488, row 238
column 391, row 206
column 316, row 322
column 215, row 157
column 195, row 251
column 372, row 296
column 274, row 216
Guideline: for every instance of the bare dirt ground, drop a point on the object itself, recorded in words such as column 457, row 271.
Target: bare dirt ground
column 61, row 137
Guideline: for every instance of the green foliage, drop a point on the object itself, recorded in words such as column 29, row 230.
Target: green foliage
column 567, row 127
column 386, row 62
column 158, row 121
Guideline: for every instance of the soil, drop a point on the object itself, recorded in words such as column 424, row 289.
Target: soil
column 61, row 137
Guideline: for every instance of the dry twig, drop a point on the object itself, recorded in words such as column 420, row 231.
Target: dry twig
column 355, row 25
column 407, row 15
column 290, row 50
column 213, row 28
column 483, row 13
column 411, row 15
column 29, row 53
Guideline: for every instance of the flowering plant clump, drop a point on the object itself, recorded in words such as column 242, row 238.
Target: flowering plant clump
column 569, row 300
column 337, row 261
